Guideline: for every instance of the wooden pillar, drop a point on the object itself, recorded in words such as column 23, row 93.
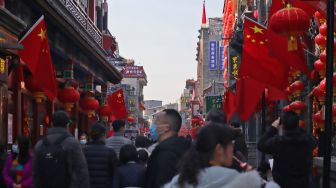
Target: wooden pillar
column 92, row 10
column 2, row 3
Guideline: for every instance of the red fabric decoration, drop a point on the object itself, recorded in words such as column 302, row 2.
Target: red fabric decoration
column 36, row 55
column 117, row 104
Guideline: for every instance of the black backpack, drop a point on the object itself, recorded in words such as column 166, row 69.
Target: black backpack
column 53, row 165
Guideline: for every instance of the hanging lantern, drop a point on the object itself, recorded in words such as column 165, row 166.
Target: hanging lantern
column 290, row 22
column 321, row 41
column 323, row 56
column 323, row 29
column 323, row 85
column 68, row 96
column 318, row 120
column 319, row 17
column 104, row 112
column 130, row 119
column 33, row 86
column 297, row 106
column 89, row 105
column 297, row 88
column 319, row 94
column 320, row 67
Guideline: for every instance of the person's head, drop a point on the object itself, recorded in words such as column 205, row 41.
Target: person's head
column 119, row 126
column 61, row 119
column 141, row 142
column 216, row 116
column 143, row 156
column 97, row 132
column 236, row 125
column 128, row 153
column 213, row 147
column 290, row 120
column 168, row 123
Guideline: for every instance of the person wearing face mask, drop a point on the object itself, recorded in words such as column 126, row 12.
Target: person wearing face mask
column 162, row 164
column 154, row 137
column 83, row 140
column 17, row 171
column 291, row 149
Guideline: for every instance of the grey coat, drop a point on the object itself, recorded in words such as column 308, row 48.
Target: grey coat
column 75, row 158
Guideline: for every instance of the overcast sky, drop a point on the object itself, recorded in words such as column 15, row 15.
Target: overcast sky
column 161, row 35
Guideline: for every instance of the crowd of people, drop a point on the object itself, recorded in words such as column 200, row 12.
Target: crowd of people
column 216, row 158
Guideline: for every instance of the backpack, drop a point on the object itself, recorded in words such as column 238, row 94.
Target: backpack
column 53, row 165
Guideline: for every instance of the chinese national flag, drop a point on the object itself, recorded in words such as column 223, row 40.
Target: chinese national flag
column 278, row 45
column 36, row 55
column 248, row 95
column 256, row 62
column 116, row 102
column 229, row 103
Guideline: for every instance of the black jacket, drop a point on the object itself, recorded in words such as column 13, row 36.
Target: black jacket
column 101, row 162
column 240, row 145
column 129, row 175
column 75, row 159
column 162, row 164
column 292, row 153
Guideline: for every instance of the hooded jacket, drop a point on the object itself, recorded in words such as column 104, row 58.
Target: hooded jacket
column 221, row 177
column 162, row 164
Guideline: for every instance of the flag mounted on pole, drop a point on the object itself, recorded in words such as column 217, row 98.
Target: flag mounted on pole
column 116, row 102
column 256, row 62
column 36, row 55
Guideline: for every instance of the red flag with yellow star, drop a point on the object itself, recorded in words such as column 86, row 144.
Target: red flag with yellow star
column 116, row 102
column 256, row 62
column 36, row 55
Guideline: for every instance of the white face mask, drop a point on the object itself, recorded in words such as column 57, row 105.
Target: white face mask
column 15, row 148
column 83, row 141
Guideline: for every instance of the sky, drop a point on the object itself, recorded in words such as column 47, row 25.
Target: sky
column 161, row 35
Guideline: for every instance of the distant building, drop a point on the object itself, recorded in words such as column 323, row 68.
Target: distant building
column 210, row 61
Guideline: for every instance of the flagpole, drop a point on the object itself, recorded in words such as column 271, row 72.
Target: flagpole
column 329, row 94
column 263, row 119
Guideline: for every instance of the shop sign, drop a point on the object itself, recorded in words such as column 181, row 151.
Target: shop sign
column 213, row 55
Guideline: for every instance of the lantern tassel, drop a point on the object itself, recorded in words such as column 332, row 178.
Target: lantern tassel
column 292, row 43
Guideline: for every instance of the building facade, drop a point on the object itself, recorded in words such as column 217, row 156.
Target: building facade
column 78, row 38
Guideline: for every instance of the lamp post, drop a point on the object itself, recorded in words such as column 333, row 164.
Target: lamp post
column 329, row 94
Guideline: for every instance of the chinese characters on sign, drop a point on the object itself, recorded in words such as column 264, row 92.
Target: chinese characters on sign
column 134, row 72
column 221, row 58
column 213, row 55
column 235, row 66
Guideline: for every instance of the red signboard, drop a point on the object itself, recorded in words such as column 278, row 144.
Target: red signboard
column 133, row 72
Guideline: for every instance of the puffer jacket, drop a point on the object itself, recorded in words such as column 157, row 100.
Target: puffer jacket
column 102, row 162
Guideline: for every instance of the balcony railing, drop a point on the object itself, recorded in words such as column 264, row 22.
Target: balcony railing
column 84, row 20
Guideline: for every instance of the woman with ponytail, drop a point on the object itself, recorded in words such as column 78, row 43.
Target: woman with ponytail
column 205, row 164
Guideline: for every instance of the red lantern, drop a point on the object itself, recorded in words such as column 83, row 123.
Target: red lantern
column 321, row 41
column 323, row 29
column 130, row 119
column 68, row 96
column 297, row 106
column 323, row 56
column 89, row 104
column 319, row 94
column 291, row 22
column 322, row 85
column 317, row 118
column 34, row 87
column 320, row 67
column 104, row 112
column 319, row 17
column 297, row 87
